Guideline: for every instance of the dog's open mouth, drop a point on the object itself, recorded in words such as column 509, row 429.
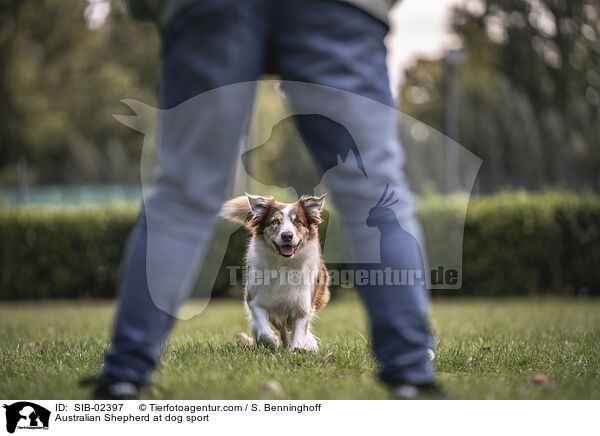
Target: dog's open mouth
column 286, row 250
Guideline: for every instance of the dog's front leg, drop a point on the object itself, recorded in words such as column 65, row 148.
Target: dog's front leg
column 261, row 329
column 302, row 337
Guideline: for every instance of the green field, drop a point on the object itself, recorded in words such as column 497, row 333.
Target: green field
column 486, row 349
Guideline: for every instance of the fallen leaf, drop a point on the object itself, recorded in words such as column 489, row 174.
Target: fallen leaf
column 271, row 387
column 540, row 380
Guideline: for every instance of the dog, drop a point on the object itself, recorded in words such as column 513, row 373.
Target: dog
column 286, row 280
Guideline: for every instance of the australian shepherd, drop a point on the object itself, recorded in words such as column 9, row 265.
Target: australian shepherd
column 286, row 280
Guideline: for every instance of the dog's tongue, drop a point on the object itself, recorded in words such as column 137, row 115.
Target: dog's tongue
column 286, row 250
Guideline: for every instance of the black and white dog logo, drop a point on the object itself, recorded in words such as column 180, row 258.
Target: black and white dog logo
column 26, row 415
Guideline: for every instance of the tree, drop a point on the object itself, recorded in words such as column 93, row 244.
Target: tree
column 529, row 91
column 60, row 81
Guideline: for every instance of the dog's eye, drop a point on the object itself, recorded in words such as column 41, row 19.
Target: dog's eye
column 297, row 221
column 275, row 222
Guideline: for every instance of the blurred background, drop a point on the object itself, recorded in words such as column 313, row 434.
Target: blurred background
column 516, row 82
column 520, row 77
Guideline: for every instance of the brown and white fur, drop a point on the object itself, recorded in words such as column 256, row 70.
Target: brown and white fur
column 284, row 238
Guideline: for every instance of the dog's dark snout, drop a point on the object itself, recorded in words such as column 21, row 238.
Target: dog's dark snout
column 287, row 236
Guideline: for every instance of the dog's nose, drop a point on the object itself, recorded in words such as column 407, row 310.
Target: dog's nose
column 287, row 236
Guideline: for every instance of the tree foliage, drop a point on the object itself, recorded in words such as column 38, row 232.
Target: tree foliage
column 529, row 91
column 61, row 80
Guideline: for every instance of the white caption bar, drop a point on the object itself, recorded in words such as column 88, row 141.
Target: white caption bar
column 300, row 417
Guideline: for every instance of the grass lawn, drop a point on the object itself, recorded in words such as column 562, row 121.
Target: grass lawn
column 486, row 349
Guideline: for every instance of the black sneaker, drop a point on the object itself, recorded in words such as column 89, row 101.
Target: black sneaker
column 429, row 391
column 108, row 388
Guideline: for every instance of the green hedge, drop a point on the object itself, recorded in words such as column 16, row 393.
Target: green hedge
column 524, row 244
column 62, row 253
column 514, row 244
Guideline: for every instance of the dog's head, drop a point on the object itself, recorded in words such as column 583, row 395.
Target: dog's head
column 285, row 227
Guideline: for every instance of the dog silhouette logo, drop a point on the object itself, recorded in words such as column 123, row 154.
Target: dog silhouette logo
column 26, row 415
column 286, row 139
column 292, row 171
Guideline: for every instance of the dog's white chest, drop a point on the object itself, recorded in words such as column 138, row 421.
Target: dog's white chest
column 282, row 286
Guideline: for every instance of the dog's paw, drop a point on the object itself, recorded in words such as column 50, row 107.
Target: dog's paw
column 305, row 347
column 243, row 339
column 268, row 340
column 309, row 343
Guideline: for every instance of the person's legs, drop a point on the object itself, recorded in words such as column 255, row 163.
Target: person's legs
column 212, row 44
column 336, row 45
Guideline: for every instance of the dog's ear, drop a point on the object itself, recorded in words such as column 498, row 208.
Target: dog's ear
column 247, row 210
column 258, row 204
column 313, row 207
column 237, row 210
column 259, row 207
